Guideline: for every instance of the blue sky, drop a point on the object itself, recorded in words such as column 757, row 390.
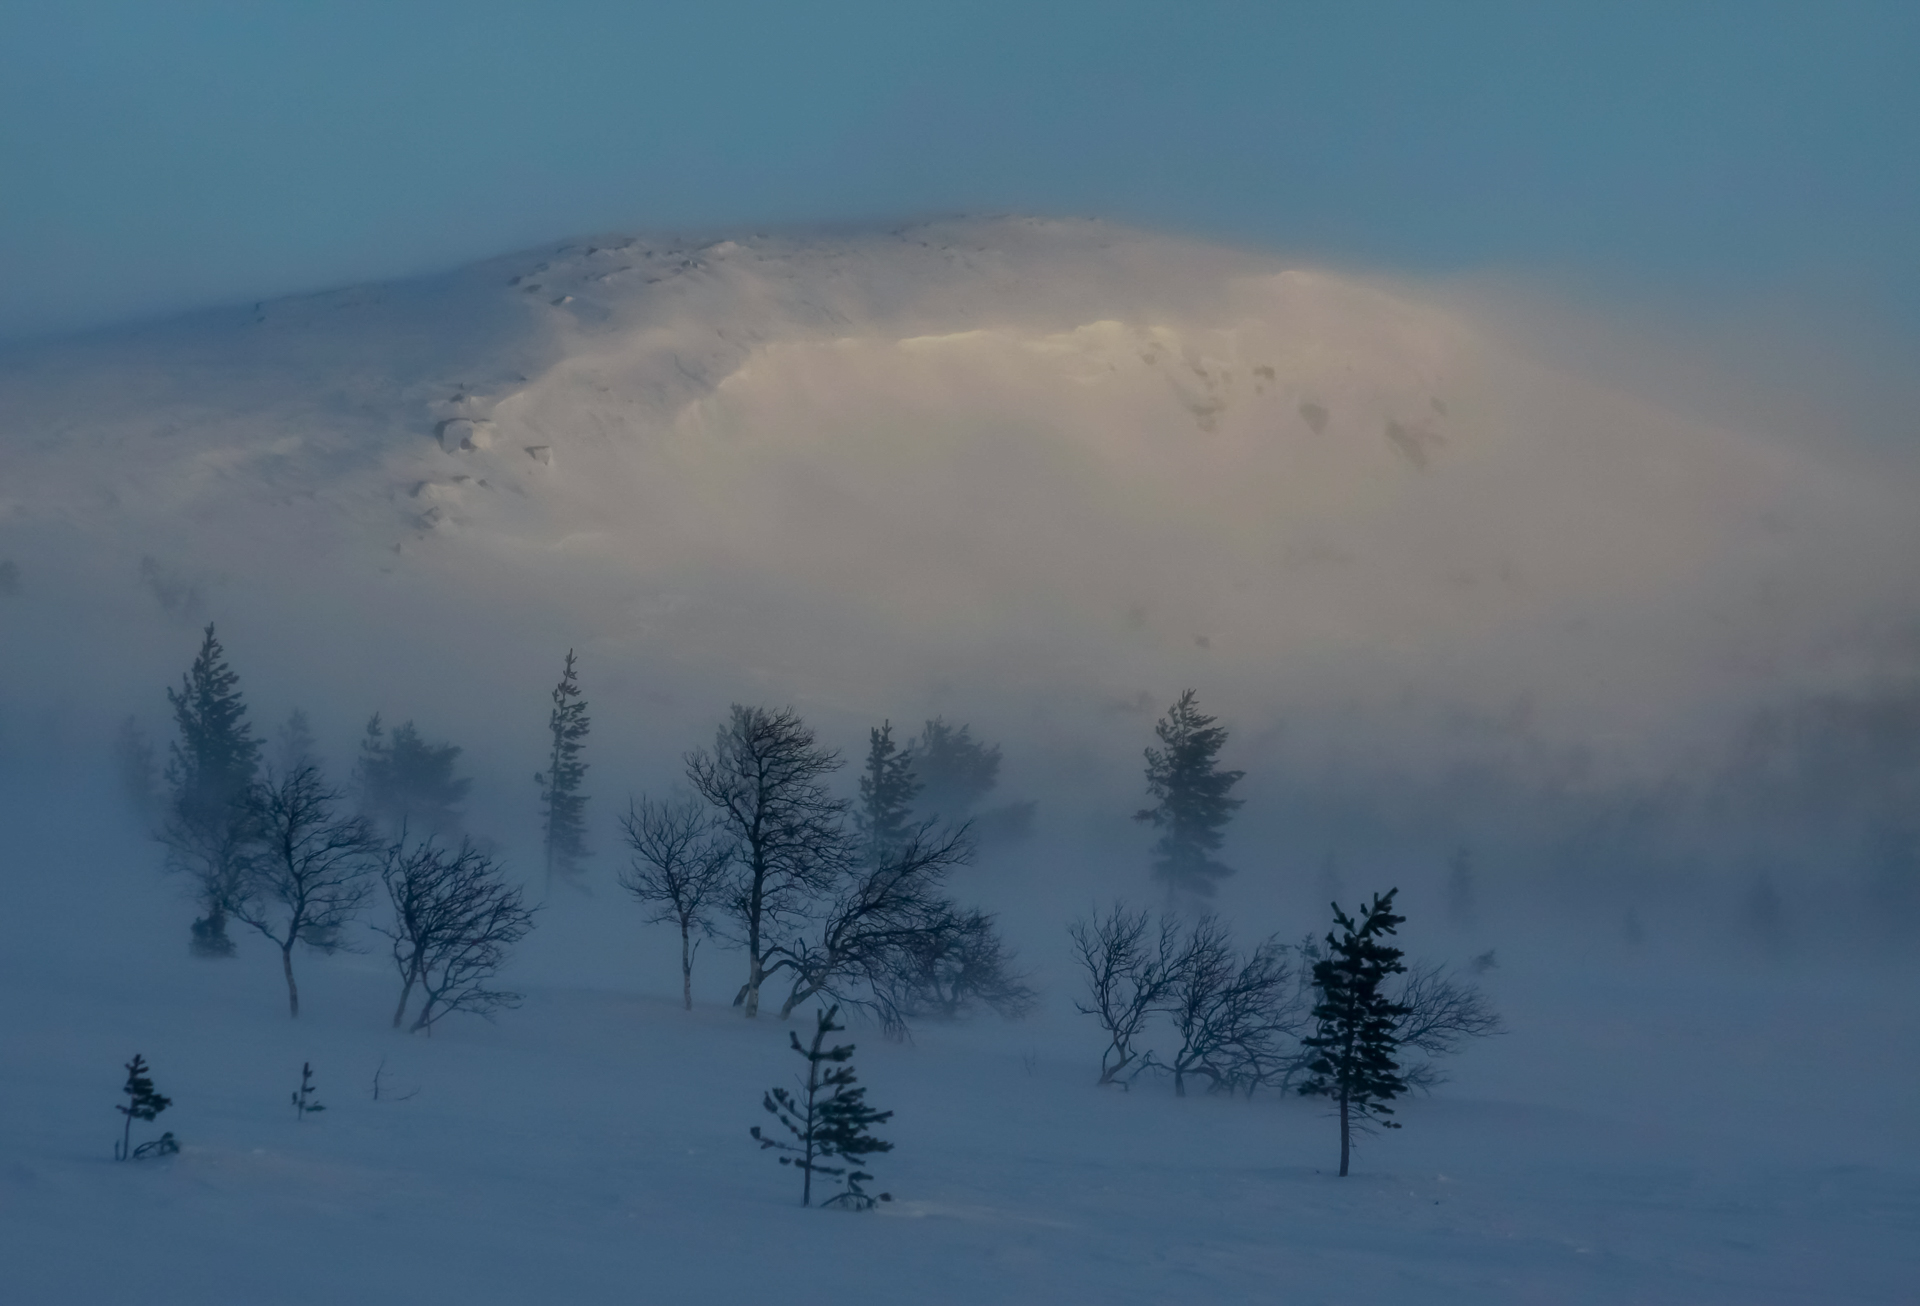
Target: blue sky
column 155, row 157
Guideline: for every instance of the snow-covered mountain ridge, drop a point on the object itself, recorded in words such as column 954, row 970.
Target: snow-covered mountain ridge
column 1052, row 461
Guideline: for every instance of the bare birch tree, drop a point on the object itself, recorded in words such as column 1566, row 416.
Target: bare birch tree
column 309, row 872
column 878, row 913
column 1132, row 968
column 765, row 779
column 1239, row 1017
column 1443, row 1011
column 455, row 919
column 681, row 870
column 947, row 974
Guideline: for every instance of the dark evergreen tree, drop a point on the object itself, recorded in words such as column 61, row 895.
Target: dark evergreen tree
column 142, row 1104
column 954, row 770
column 408, row 784
column 1355, row 1038
column 210, row 769
column 1191, row 802
column 305, row 1101
column 888, row 787
column 831, row 1123
column 563, row 808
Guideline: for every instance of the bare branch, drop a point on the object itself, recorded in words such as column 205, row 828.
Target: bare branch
column 681, row 870
column 1239, row 1018
column 765, row 780
column 1443, row 1011
column 454, row 921
column 309, row 874
column 1132, row 970
column 880, row 914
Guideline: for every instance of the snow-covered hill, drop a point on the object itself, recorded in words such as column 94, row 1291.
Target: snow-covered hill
column 1038, row 476
column 1057, row 464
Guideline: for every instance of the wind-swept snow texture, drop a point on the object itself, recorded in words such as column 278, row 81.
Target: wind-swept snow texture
column 1039, row 477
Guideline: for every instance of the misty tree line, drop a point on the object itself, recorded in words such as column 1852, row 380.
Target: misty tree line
column 277, row 848
column 827, row 898
column 1344, row 1018
column 844, row 901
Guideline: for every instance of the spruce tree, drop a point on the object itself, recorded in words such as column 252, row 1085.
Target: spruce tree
column 831, row 1123
column 408, row 784
column 1355, row 1040
column 142, row 1104
column 1191, row 802
column 563, row 807
column 887, row 790
column 305, row 1098
column 955, row 770
column 210, row 770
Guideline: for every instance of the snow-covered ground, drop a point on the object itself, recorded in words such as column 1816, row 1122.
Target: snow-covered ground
column 1648, row 1131
column 1040, row 477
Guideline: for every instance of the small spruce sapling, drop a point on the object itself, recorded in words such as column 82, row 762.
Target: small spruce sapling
column 142, row 1104
column 831, row 1122
column 305, row 1100
column 1356, row 1035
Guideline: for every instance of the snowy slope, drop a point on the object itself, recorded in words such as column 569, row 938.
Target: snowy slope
column 1071, row 463
column 1035, row 475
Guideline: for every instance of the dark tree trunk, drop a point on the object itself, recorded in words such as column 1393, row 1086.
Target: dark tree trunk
column 754, row 976
column 406, row 991
column 686, row 967
column 286, row 964
column 750, row 995
column 1343, row 1135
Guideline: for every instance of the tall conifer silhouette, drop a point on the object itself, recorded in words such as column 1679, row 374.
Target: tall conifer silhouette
column 563, row 808
column 1356, row 1039
column 1191, row 799
column 210, row 770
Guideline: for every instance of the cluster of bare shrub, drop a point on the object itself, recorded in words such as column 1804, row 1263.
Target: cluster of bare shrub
column 1186, row 1000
